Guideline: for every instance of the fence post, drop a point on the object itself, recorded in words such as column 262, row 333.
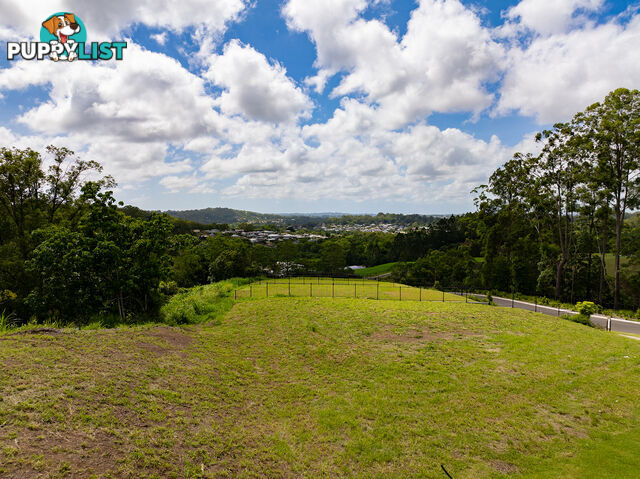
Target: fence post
column 466, row 296
column 289, row 286
column 443, row 295
column 378, row 290
column 235, row 294
column 536, row 307
column 267, row 289
column 251, row 291
column 400, row 290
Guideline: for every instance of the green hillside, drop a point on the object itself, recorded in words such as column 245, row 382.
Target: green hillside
column 225, row 215
column 322, row 387
column 375, row 270
column 231, row 216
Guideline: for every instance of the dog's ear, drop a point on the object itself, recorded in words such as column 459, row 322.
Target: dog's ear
column 71, row 17
column 51, row 25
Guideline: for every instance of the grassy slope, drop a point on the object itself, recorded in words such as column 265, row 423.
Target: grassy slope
column 375, row 270
column 325, row 388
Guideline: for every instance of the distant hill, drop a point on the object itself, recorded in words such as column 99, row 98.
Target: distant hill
column 231, row 216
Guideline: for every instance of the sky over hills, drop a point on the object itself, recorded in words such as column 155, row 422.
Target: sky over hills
column 298, row 105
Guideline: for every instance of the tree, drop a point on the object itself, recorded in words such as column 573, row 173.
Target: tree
column 558, row 171
column 502, row 207
column 110, row 262
column 65, row 178
column 31, row 198
column 333, row 256
column 612, row 127
column 20, row 182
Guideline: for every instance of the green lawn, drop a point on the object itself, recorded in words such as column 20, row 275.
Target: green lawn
column 324, row 387
column 610, row 262
column 343, row 288
column 375, row 270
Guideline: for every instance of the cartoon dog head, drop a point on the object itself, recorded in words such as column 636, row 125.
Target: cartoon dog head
column 62, row 26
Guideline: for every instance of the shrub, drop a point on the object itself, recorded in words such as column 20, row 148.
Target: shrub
column 201, row 303
column 586, row 308
column 6, row 320
column 578, row 318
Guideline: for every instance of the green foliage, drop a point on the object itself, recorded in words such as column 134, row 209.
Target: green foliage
column 586, row 308
column 168, row 288
column 578, row 318
column 6, row 320
column 110, row 263
column 199, row 304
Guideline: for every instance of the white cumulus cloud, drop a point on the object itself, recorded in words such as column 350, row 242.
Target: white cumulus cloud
column 255, row 88
column 557, row 75
column 109, row 18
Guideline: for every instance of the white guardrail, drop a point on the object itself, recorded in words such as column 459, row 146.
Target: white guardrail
column 609, row 323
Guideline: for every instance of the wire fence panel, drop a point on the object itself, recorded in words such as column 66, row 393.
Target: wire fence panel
column 351, row 288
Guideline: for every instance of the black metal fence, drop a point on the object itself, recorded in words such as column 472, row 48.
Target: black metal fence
column 349, row 287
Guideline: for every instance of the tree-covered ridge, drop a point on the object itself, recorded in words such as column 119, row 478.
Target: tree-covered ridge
column 231, row 216
column 225, row 215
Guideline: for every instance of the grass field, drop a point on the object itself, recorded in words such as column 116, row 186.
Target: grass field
column 375, row 270
column 343, row 288
column 323, row 387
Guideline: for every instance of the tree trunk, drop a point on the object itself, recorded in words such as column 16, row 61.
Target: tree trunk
column 616, row 283
column 590, row 260
column 559, row 275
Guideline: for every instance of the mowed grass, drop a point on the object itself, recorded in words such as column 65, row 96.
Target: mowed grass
column 344, row 288
column 375, row 270
column 322, row 387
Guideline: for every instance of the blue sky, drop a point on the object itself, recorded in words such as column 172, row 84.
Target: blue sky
column 298, row 106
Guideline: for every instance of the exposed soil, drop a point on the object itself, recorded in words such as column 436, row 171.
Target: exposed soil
column 71, row 454
column 174, row 341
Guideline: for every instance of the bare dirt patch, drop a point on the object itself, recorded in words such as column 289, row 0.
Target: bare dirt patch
column 71, row 454
column 172, row 340
column 174, row 337
column 504, row 467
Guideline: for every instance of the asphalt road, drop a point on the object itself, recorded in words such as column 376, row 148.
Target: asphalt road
column 614, row 324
